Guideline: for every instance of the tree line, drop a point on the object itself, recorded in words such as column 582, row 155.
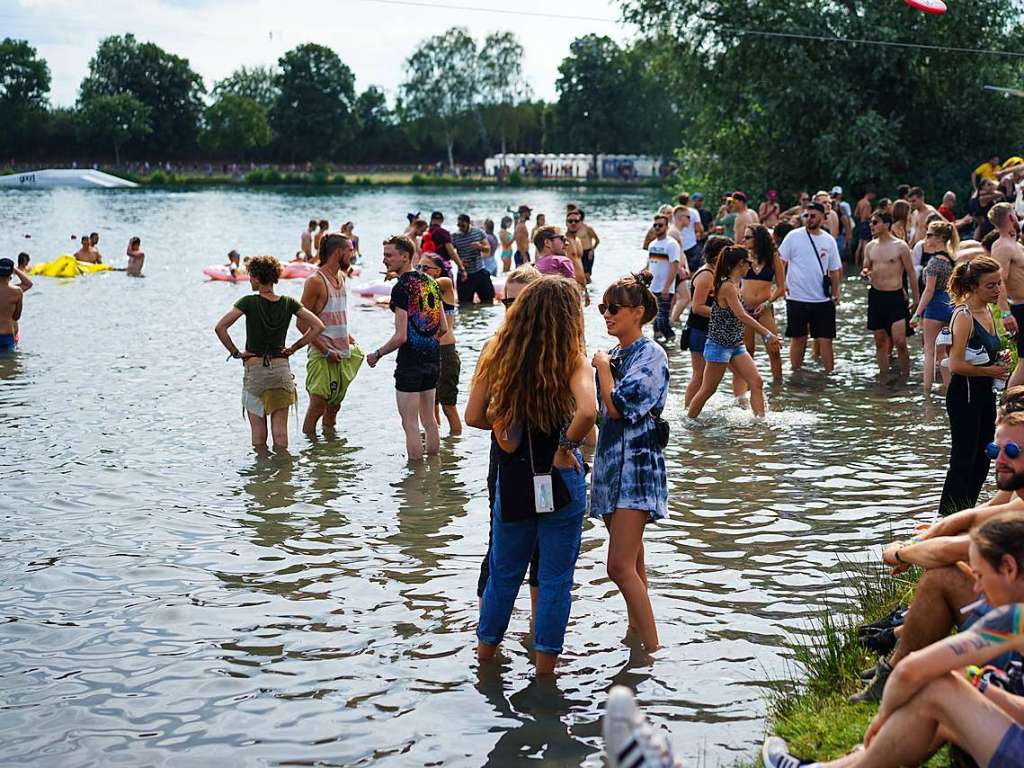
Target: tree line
column 749, row 96
column 461, row 100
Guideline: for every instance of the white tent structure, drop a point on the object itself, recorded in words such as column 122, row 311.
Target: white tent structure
column 64, row 177
column 563, row 165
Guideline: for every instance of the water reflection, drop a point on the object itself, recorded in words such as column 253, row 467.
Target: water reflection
column 320, row 606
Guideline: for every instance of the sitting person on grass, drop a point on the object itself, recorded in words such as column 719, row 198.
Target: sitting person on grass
column 943, row 589
column 929, row 701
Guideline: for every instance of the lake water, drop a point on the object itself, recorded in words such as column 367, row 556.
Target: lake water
column 171, row 599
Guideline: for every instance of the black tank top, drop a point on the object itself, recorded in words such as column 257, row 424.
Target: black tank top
column 699, row 321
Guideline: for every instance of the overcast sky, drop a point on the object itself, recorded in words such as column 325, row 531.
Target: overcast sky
column 373, row 37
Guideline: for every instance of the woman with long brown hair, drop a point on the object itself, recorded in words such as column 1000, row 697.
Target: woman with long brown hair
column 764, row 283
column 901, row 220
column 974, row 362
column 724, row 347
column 533, row 387
column 941, row 242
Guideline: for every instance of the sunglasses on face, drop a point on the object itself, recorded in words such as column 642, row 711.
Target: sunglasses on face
column 613, row 308
column 557, row 237
column 508, row 302
column 572, row 221
column 1012, row 450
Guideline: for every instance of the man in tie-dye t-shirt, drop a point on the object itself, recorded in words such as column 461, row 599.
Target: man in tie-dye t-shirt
column 419, row 324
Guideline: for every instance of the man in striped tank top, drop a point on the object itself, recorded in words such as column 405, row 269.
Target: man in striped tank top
column 334, row 359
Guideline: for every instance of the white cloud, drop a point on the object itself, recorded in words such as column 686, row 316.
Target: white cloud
column 372, row 37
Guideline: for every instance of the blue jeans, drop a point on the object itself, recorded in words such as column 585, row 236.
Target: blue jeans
column 557, row 535
column 662, row 324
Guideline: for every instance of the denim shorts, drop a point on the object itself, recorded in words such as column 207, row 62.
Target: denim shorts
column 716, row 353
column 1010, row 751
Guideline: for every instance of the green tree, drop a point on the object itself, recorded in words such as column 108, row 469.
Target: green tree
column 379, row 136
column 786, row 112
column 163, row 82
column 24, row 85
column 115, row 120
column 312, row 113
column 441, row 87
column 233, row 126
column 503, row 83
column 593, row 96
column 256, row 83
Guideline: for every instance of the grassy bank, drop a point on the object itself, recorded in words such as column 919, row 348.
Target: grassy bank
column 273, row 178
column 810, row 709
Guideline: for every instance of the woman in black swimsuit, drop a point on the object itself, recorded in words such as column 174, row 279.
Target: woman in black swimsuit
column 763, row 284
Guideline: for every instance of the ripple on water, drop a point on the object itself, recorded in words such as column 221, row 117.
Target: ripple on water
column 172, row 599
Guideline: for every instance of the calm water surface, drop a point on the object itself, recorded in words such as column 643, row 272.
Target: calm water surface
column 169, row 598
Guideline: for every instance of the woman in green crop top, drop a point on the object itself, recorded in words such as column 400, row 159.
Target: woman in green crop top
column 268, row 387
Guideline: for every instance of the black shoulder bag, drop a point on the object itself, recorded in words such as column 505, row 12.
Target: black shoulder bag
column 826, row 281
column 661, row 427
column 516, row 484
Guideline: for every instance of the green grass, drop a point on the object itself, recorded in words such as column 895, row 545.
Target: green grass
column 809, row 709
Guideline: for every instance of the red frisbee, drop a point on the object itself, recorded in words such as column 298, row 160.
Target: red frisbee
column 928, row 6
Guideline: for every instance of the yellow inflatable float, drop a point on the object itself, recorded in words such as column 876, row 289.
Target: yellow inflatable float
column 67, row 266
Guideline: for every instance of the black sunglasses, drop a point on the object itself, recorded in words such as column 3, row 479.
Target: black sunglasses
column 508, row 302
column 613, row 308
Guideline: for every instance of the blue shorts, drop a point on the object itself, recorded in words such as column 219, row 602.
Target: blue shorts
column 716, row 353
column 7, row 342
column 698, row 339
column 939, row 308
column 1010, row 752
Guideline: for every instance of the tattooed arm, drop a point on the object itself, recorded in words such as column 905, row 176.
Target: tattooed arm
column 998, row 632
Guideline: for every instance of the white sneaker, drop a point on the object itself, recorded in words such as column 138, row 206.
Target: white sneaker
column 629, row 741
column 775, row 754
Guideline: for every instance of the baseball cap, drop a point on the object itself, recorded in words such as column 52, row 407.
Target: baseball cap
column 737, row 195
column 697, row 196
column 6, row 267
column 814, row 205
column 836, row 190
column 525, row 207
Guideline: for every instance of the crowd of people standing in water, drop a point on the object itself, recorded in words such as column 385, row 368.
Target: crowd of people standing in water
column 545, row 400
column 711, row 283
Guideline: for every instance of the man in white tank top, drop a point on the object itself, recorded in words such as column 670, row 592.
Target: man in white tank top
column 334, row 359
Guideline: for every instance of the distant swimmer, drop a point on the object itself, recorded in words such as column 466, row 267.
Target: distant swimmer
column 94, row 240
column 522, row 236
column 348, row 230
column 10, row 303
column 23, row 260
column 324, row 226
column 86, row 253
column 135, row 257
column 234, row 262
column 306, row 240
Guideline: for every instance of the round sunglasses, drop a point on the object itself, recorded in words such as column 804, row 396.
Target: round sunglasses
column 1012, row 450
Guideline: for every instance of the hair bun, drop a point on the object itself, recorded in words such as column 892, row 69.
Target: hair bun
column 644, row 277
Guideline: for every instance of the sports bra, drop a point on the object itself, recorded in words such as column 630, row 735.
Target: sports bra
column 766, row 273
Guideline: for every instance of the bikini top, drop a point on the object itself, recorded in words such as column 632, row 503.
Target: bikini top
column 766, row 273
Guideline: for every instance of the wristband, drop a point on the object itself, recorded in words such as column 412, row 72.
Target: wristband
column 568, row 445
column 1005, row 314
column 982, row 685
column 377, row 354
column 768, row 337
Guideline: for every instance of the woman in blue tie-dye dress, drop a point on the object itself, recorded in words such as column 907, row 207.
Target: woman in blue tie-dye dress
column 629, row 486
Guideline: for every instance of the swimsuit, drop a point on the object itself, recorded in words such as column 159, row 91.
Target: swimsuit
column 7, row 342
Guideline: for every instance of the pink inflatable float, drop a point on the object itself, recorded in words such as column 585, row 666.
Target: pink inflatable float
column 381, row 288
column 220, row 272
column 295, row 270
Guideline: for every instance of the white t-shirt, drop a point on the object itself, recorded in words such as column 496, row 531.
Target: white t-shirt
column 660, row 255
column 690, row 233
column 804, row 267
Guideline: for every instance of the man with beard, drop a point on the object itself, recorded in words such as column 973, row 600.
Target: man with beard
column 944, row 589
column 334, row 358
